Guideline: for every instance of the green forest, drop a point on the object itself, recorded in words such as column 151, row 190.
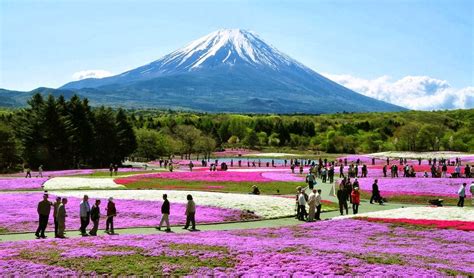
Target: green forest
column 70, row 133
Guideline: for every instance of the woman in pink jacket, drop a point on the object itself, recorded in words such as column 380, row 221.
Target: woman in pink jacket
column 355, row 200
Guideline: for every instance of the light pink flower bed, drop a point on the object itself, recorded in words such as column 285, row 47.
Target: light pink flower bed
column 415, row 186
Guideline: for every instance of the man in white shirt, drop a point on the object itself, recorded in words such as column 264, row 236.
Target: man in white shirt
column 85, row 213
column 312, row 205
column 302, row 205
column 318, row 204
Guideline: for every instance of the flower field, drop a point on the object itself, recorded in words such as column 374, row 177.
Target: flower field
column 442, row 187
column 20, row 214
column 262, row 206
column 66, row 183
column 217, row 176
column 12, row 184
column 338, row 247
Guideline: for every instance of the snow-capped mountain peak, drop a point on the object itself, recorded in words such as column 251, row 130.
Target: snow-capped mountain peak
column 221, row 47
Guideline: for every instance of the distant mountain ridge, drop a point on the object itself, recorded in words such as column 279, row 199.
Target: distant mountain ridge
column 229, row 70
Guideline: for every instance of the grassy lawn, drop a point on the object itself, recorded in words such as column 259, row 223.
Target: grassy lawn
column 268, row 188
column 103, row 174
column 414, row 199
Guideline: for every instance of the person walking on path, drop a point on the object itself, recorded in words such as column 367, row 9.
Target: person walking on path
column 310, row 180
column 61, row 216
column 95, row 217
column 111, row 169
column 40, row 171
column 85, row 214
column 28, row 172
column 342, row 198
column 115, row 169
column 318, row 205
column 190, row 213
column 44, row 208
column 462, row 195
column 355, row 200
column 111, row 213
column 165, row 213
column 376, row 193
column 55, row 215
column 471, row 189
column 312, row 205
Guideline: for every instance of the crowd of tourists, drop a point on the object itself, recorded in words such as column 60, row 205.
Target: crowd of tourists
column 93, row 214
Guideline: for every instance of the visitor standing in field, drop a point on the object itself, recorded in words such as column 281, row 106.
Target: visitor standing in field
column 40, row 171
column 44, row 208
column 301, row 169
column 312, row 205
column 341, row 171
column 462, row 195
column 355, row 200
column 342, row 198
column 302, row 206
column 376, row 193
column 95, row 217
column 111, row 213
column 165, row 213
column 116, row 169
column 55, row 215
column 111, row 169
column 28, row 172
column 85, row 214
column 318, row 205
column 190, row 213
column 61, row 216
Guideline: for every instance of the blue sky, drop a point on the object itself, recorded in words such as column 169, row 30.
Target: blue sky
column 43, row 43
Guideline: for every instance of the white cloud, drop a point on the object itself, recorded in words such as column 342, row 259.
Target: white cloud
column 414, row 92
column 83, row 74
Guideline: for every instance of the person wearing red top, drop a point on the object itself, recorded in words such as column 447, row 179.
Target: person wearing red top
column 355, row 200
column 111, row 213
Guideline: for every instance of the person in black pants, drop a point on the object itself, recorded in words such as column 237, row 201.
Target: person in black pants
column 342, row 198
column 111, row 213
column 190, row 213
column 462, row 195
column 56, row 224
column 95, row 217
column 44, row 208
column 376, row 193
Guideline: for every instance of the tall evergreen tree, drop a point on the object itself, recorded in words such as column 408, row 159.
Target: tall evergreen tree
column 126, row 140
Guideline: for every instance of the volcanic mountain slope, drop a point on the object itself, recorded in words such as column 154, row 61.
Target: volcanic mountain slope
column 229, row 70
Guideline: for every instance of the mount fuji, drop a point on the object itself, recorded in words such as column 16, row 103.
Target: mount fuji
column 229, row 70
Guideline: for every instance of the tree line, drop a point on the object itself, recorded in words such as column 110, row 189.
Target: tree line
column 60, row 133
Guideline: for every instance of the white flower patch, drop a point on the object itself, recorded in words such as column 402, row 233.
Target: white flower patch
column 263, row 206
column 424, row 213
column 422, row 155
column 270, row 154
column 64, row 183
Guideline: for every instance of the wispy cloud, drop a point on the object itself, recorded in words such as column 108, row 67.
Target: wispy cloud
column 414, row 92
column 83, row 74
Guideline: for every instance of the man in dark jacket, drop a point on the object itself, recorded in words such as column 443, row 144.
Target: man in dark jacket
column 56, row 206
column 376, row 193
column 44, row 208
column 342, row 197
column 165, row 213
column 95, row 217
